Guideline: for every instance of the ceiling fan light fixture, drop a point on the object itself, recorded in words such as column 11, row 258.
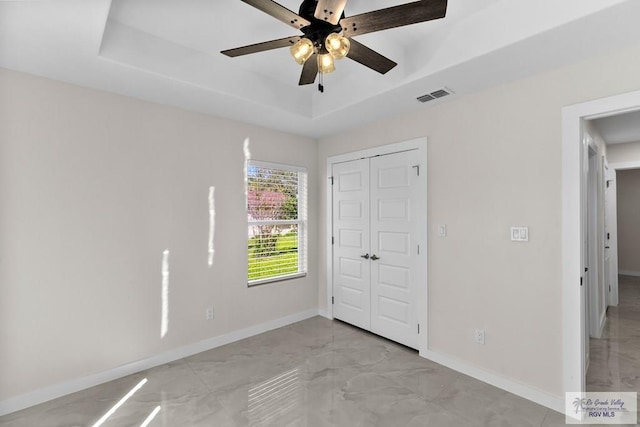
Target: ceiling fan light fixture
column 302, row 50
column 327, row 33
column 337, row 45
column 326, row 63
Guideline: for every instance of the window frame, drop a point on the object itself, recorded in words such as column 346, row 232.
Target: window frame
column 301, row 221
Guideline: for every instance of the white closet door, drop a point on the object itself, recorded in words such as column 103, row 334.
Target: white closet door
column 394, row 263
column 351, row 269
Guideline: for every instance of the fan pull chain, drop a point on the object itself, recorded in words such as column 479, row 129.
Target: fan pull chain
column 321, row 83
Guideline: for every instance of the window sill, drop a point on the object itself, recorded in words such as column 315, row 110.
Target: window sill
column 276, row 279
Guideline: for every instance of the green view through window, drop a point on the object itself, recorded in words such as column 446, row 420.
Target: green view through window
column 276, row 214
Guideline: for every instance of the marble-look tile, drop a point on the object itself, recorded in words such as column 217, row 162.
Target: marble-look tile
column 198, row 410
column 436, row 416
column 419, row 375
column 181, row 395
column 615, row 358
column 315, row 373
column 77, row 409
column 323, row 329
column 556, row 419
column 367, row 350
column 366, row 399
column 477, row 401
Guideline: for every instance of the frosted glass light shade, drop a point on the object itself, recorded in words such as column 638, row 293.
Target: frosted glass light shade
column 337, row 45
column 302, row 50
column 325, row 63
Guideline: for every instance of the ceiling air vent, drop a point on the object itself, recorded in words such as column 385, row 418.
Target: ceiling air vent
column 440, row 93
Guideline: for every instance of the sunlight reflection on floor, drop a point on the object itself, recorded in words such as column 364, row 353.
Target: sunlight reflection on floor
column 151, row 416
column 121, row 402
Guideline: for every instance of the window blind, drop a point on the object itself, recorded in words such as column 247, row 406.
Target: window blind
column 276, row 215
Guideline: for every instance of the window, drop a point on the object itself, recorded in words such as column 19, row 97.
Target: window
column 277, row 222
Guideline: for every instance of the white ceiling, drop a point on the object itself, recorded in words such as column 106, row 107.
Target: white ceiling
column 619, row 129
column 167, row 51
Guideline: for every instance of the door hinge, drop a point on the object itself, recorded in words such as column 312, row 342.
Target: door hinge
column 333, row 240
column 608, row 236
column 417, row 168
column 581, row 281
column 333, row 301
column 418, row 327
column 331, row 178
column 418, row 249
column 609, row 288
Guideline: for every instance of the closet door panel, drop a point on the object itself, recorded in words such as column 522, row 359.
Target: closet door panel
column 351, row 265
column 394, row 291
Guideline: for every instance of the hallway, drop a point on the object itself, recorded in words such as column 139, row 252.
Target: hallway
column 615, row 359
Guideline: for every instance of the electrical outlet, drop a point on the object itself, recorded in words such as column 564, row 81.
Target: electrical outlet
column 479, row 336
column 210, row 313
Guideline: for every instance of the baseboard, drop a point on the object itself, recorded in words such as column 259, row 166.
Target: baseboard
column 629, row 273
column 603, row 322
column 45, row 394
column 325, row 314
column 540, row 397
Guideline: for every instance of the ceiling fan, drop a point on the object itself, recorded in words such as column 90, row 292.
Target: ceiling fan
column 328, row 34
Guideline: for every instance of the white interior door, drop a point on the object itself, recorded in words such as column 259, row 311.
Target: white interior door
column 394, row 287
column 584, row 265
column 376, row 273
column 607, row 236
column 595, row 288
column 611, row 235
column 351, row 265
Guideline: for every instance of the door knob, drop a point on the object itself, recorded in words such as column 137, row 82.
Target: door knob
column 374, row 258
column 366, row 256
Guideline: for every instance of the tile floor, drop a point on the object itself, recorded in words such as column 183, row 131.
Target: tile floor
column 615, row 359
column 313, row 373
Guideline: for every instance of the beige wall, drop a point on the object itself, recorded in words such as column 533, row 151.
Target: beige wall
column 621, row 153
column 628, row 182
column 495, row 161
column 93, row 188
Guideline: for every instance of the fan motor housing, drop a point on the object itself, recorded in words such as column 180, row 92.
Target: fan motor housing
column 308, row 9
column 318, row 31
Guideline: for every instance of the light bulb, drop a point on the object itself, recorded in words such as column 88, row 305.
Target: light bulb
column 337, row 45
column 325, row 63
column 302, row 50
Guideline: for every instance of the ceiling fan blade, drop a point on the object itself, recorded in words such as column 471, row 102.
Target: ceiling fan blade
column 309, row 71
column 260, row 47
column 370, row 58
column 396, row 16
column 330, row 10
column 279, row 12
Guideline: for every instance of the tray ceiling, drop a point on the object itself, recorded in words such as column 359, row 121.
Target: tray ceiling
column 167, row 51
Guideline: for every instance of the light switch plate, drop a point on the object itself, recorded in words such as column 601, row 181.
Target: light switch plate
column 519, row 234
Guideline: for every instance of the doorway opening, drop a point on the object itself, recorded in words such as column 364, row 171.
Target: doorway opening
column 583, row 301
column 614, row 355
